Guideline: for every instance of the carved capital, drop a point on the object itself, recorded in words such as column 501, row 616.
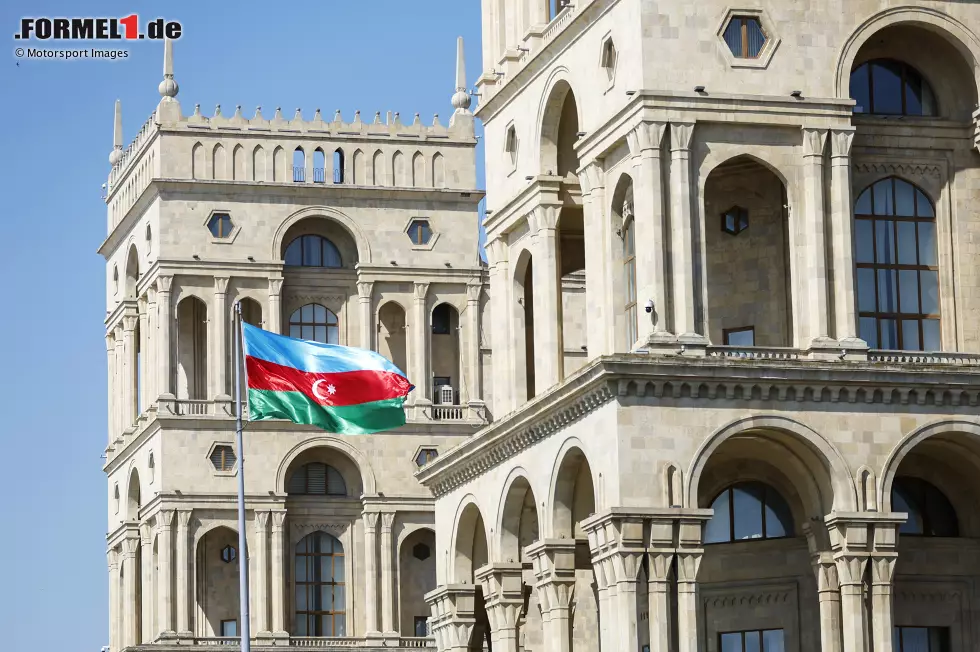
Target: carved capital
column 183, row 518
column 814, row 141
column 659, row 563
column 688, row 563
column 646, row 136
column 370, row 520
column 113, row 557
column 840, row 142
column 497, row 250
column 262, row 521
column 592, row 178
column 275, row 287
column 221, row 284
column 387, row 520
column 365, row 289
column 473, row 291
column 164, row 283
column 883, row 568
column 129, row 547
column 680, row 136
column 850, row 568
column 129, row 323
column 165, row 519
column 278, row 518
column 421, row 289
column 826, row 573
column 544, row 217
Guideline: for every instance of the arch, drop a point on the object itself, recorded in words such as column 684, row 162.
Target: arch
column 867, row 489
column 392, row 335
column 366, row 481
column 132, row 273
column 316, row 479
column 624, row 283
column 214, row 575
column 418, row 170
column 339, row 166
column 279, row 165
column 238, row 163
column 557, row 89
column 930, row 512
column 378, row 169
column 470, row 537
column 299, row 165
column 952, row 30
column 523, row 326
column 416, row 577
column 218, row 164
column 398, row 170
column 518, row 518
column 258, row 164
column 319, row 573
column 133, row 496
column 357, row 169
column 197, row 161
column 438, row 171
column 361, row 243
column 445, row 350
column 319, row 166
column 573, row 492
column 834, row 475
column 192, row 348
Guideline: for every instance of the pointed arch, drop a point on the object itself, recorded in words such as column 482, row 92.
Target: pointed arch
column 219, row 166
column 258, row 164
column 319, row 166
column 339, row 166
column 357, row 169
column 518, row 518
column 398, row 175
column 134, row 494
column 238, row 163
column 418, row 170
column 438, row 171
column 197, row 161
column 279, row 164
column 132, row 273
column 378, row 169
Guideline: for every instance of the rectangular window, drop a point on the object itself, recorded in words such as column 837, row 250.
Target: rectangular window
column 765, row 640
column 421, row 626
column 229, row 628
column 744, row 336
column 921, row 639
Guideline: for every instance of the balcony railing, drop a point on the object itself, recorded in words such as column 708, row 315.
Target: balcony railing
column 924, row 357
column 193, row 407
column 448, row 412
column 232, row 643
column 299, row 174
column 755, row 352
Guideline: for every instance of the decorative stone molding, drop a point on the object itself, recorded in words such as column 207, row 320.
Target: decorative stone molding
column 262, row 521
column 275, row 286
column 840, row 142
column 752, row 599
column 814, row 141
column 543, row 217
column 453, row 617
column 646, row 136
column 904, row 169
column 553, row 561
column 503, row 591
column 335, row 529
column 930, row 597
column 473, row 292
column 365, row 289
column 164, row 283
column 681, row 134
column 303, row 299
column 420, row 290
column 221, row 284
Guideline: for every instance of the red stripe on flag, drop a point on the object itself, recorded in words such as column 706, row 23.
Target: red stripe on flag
column 344, row 388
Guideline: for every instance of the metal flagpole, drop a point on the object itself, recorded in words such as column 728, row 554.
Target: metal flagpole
column 246, row 644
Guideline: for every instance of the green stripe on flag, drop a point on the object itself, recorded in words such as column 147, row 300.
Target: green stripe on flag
column 360, row 419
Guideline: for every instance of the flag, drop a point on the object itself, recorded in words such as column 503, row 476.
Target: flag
column 341, row 389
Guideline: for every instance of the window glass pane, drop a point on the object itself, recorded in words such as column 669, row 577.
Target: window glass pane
column 294, row 255
column 300, row 568
column 779, row 520
column 866, row 290
column 942, row 517
column 301, row 597
column 930, row 291
column 331, row 257
column 927, row 244
column 731, row 642
column 340, row 625
column 863, row 204
column 421, row 627
column 307, row 333
column 333, row 335
column 229, row 628
column 860, row 88
column 913, row 524
column 326, row 626
column 319, row 314
column 772, row 640
column 904, row 198
column 300, row 626
column 908, row 283
column 923, row 206
column 331, row 317
column 306, row 313
column 753, row 642
column 915, row 639
column 906, row 243
column 910, row 335
column 326, row 597
column 741, row 338
column 889, row 334
column 887, row 290
column 747, row 503
column 320, row 334
column 338, row 569
column 326, row 568
column 718, row 528
column 339, row 598
column 885, row 241
column 864, row 240
column 913, row 93
column 887, row 87
column 869, row 331
column 883, row 204
column 733, row 37
column 930, row 335
column 755, row 35
column 928, row 100
column 311, row 251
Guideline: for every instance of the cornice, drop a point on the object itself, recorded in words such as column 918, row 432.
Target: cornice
column 542, row 189
column 397, row 274
column 121, row 230
column 625, row 378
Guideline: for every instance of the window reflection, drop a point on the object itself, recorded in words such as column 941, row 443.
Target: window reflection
column 748, row 510
column 320, row 596
column 888, row 87
column 315, row 323
column 929, row 511
column 312, row 251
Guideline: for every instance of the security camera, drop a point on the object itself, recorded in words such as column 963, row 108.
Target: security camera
column 649, row 305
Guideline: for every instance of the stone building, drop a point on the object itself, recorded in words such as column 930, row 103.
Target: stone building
column 717, row 386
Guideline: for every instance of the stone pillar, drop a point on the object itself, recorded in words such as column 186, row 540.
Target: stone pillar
column 278, row 574
column 129, row 616
column 364, row 292
column 474, row 389
column 658, row 591
column 128, row 393
column 164, row 358
column 371, row 573
column 260, row 618
column 649, row 230
column 420, row 339
column 850, row 573
column 554, row 571
column 185, row 586
column 688, row 561
column 114, row 642
column 388, row 625
column 598, row 269
column 547, row 299
column 828, row 594
column 119, row 385
column 617, row 546
column 110, row 349
column 501, row 322
column 139, row 371
column 503, row 592
column 165, row 620
column 220, row 328
column 149, row 366
column 685, row 292
column 842, row 234
column 273, row 323
column 453, row 616
column 882, row 572
column 146, row 632
column 812, row 321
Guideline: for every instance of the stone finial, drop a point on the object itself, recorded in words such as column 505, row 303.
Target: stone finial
column 197, row 110
column 168, row 87
column 418, row 119
column 238, row 111
column 299, row 114
column 117, row 135
column 217, row 110
column 435, row 120
column 278, row 115
column 377, row 118
column 461, row 98
column 337, row 117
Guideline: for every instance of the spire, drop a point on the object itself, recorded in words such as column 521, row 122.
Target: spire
column 168, row 87
column 461, row 98
column 117, row 136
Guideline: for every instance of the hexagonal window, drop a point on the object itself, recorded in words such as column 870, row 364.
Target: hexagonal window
column 425, row 456
column 745, row 36
column 220, row 225
column 229, row 554
column 223, row 458
column 421, row 551
column 735, row 220
column 420, row 232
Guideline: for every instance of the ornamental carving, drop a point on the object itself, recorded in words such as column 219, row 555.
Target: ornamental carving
column 904, row 169
column 751, row 599
column 335, row 529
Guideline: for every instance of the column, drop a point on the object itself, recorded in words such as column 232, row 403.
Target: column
column 261, row 582
column 273, row 323
column 420, row 337
column 119, row 384
column 651, row 270
column 220, row 327
column 688, row 562
column 842, row 234
column 364, row 291
column 278, row 573
column 114, row 643
column 165, row 621
column 828, row 594
column 500, row 318
column 110, row 349
column 128, row 393
column 184, row 584
column 148, row 363
column 164, row 355
column 146, row 632
column 554, row 571
column 605, row 609
column 850, row 573
column 139, row 371
column 371, row 573
column 472, row 361
column 387, row 577
column 547, row 299
column 598, row 264
column 658, row 590
column 882, row 572
column 503, row 594
column 813, row 279
column 129, row 634
column 453, row 618
column 681, row 232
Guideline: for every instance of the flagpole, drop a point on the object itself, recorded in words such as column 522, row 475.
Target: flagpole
column 244, row 629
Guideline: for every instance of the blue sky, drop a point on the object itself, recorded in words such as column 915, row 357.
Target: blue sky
column 56, row 137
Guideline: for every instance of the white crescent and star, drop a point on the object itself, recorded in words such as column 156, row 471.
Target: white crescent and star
column 331, row 390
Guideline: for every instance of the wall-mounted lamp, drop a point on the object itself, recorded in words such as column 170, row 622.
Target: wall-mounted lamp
column 394, row 262
column 520, row 49
column 796, row 94
column 630, row 93
column 489, row 211
column 499, row 74
column 251, row 259
column 196, row 257
column 448, row 264
column 529, row 178
column 581, row 134
column 699, row 89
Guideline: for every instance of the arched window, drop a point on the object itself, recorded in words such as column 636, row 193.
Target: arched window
column 338, row 165
column 930, row 512
column 897, row 267
column 888, row 87
column 299, row 165
column 319, row 166
column 748, row 510
column 312, row 251
column 316, row 479
column 320, row 588
column 629, row 269
column 315, row 323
